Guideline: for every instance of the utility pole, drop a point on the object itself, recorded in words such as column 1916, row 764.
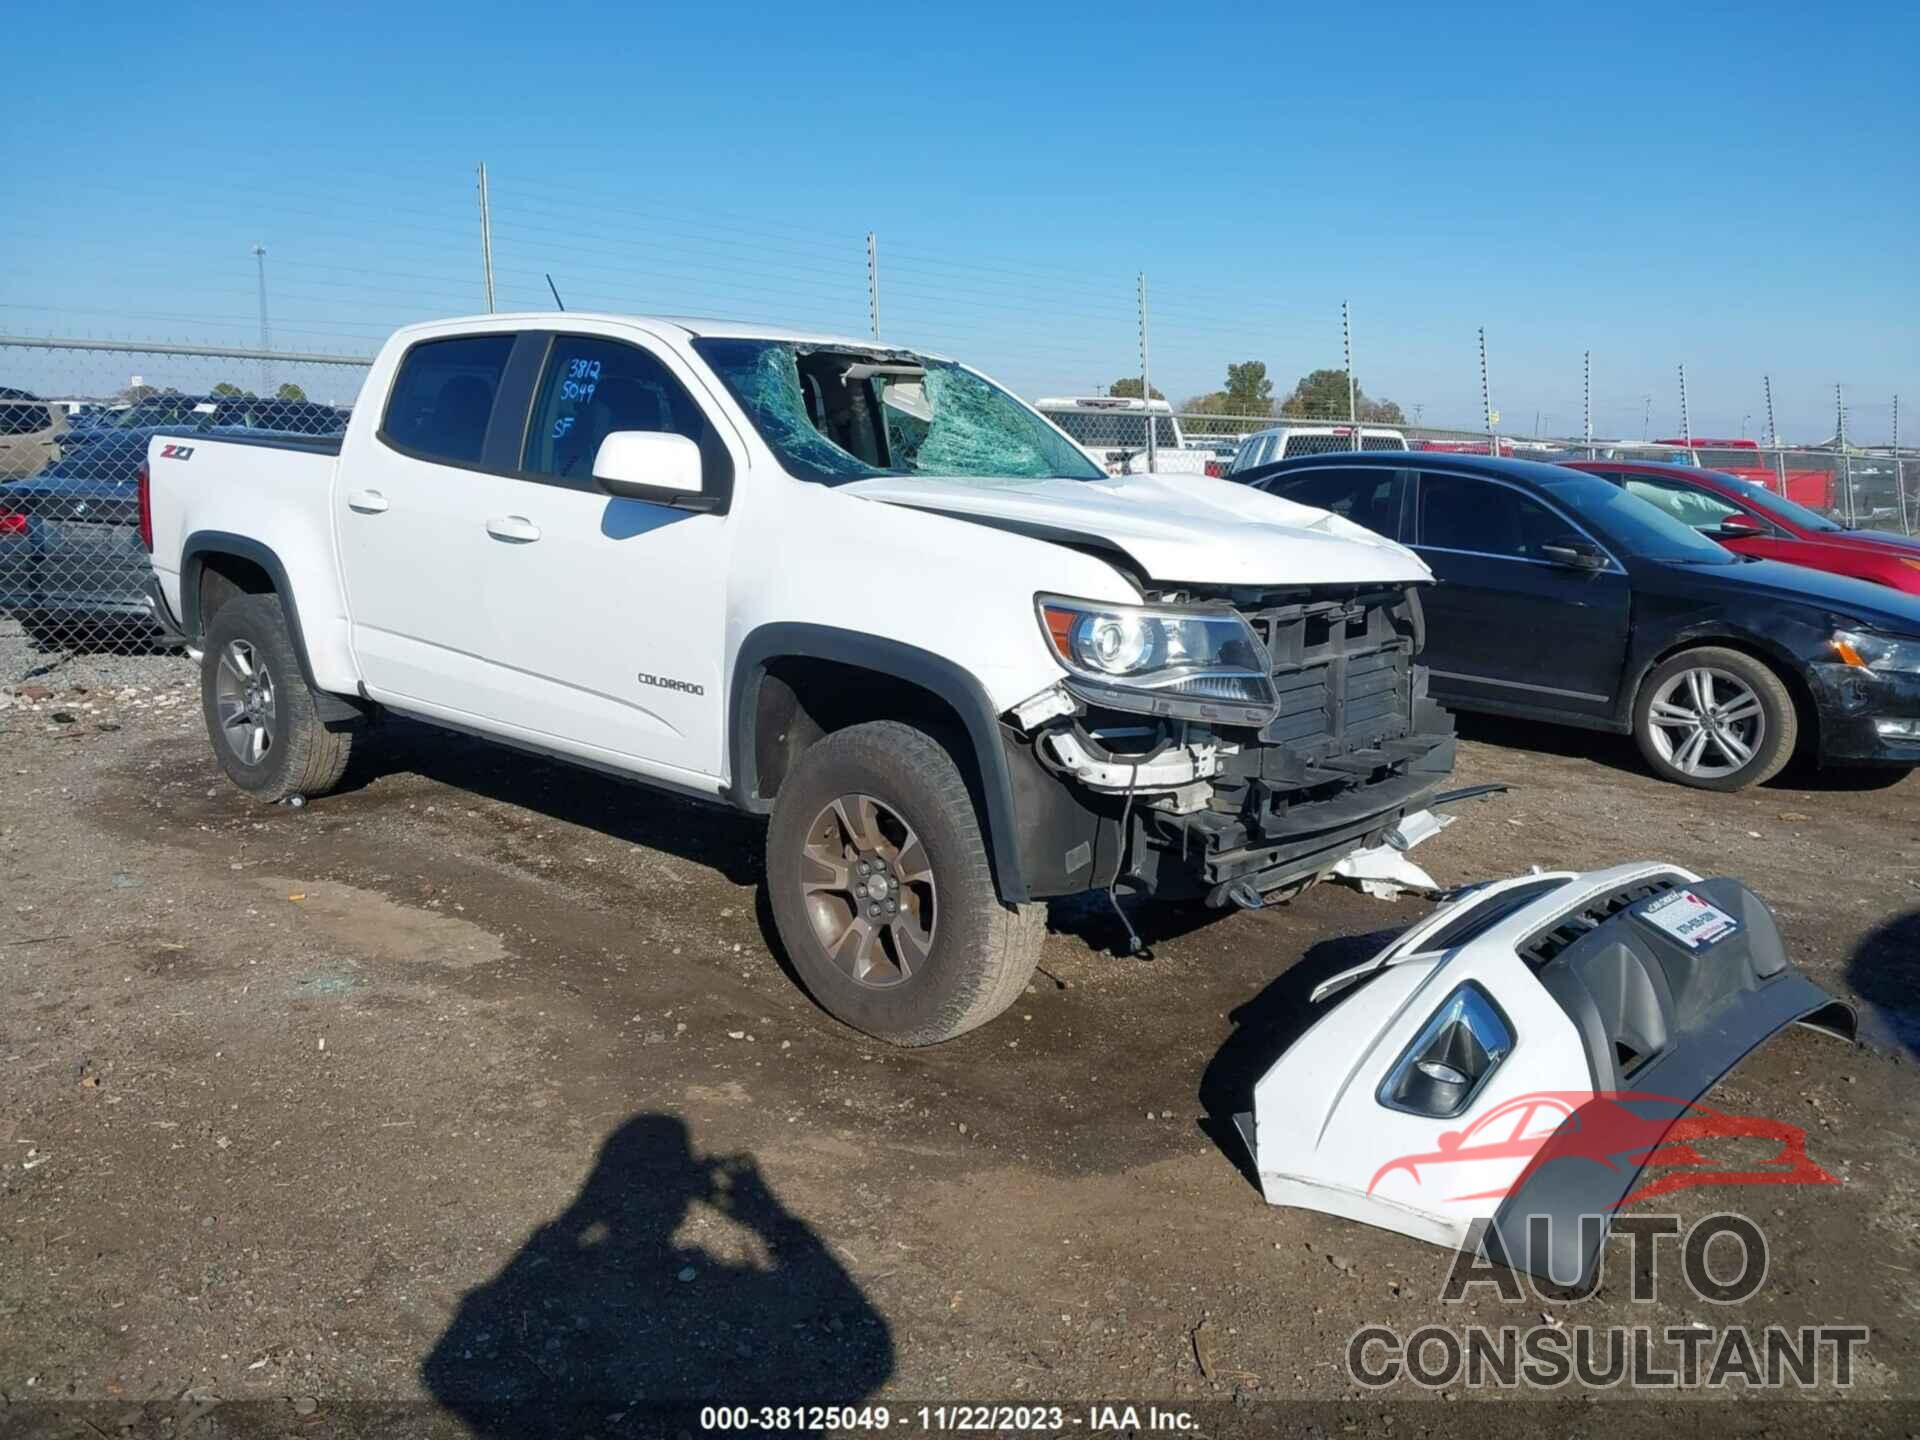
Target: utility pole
column 1646, row 416
column 1353, row 389
column 1586, row 398
column 486, row 237
column 1146, row 383
column 1686, row 425
column 266, row 335
column 1773, row 437
column 873, row 283
column 1486, row 397
column 1900, row 471
column 1840, row 439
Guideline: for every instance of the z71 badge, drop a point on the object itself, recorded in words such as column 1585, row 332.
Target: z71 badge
column 176, row 452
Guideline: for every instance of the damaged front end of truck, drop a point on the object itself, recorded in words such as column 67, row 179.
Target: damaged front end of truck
column 1232, row 745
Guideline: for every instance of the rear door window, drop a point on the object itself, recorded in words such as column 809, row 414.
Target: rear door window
column 443, row 396
column 1366, row 495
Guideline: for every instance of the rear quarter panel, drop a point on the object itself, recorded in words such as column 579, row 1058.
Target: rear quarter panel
column 205, row 489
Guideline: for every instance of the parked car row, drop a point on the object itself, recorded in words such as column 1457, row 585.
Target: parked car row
column 1651, row 600
column 70, row 552
column 1551, row 604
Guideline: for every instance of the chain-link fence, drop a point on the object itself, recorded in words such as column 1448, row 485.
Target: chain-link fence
column 76, row 417
column 1854, row 487
column 75, row 421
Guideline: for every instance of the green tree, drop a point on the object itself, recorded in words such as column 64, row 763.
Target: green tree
column 1249, row 391
column 290, row 391
column 1129, row 389
column 1322, row 395
column 227, row 390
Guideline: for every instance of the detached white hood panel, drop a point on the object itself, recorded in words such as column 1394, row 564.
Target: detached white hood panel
column 1585, row 1016
column 1177, row 528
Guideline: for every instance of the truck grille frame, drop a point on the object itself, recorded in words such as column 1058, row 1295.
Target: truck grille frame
column 1344, row 673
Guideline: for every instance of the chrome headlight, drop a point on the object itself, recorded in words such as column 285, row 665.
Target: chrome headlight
column 1164, row 659
column 1865, row 650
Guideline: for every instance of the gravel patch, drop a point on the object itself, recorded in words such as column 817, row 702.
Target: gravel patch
column 95, row 666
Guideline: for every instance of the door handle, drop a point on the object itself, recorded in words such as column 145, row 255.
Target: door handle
column 516, row 528
column 367, row 502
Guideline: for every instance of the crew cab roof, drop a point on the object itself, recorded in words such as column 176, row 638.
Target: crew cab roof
column 691, row 326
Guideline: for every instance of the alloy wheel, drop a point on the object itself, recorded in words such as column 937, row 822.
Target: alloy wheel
column 243, row 693
column 1707, row 723
column 869, row 891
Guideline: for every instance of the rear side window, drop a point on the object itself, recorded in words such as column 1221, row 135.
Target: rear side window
column 1365, row 495
column 23, row 419
column 593, row 387
column 1252, row 452
column 443, row 397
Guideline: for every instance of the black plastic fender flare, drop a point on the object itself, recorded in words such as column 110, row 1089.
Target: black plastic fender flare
column 193, row 563
column 930, row 672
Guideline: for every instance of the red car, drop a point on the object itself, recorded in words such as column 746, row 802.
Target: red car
column 1751, row 520
column 1744, row 460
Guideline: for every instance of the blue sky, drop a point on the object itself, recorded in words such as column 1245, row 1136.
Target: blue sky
column 1729, row 187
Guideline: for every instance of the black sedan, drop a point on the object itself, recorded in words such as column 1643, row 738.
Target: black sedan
column 71, row 559
column 1565, row 598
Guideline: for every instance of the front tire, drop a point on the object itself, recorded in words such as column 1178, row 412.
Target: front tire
column 260, row 713
column 880, row 887
column 1715, row 719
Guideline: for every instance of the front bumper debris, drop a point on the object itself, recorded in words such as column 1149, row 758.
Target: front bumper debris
column 1525, row 1053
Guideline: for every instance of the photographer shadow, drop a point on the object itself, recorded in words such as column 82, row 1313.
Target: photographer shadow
column 610, row 1319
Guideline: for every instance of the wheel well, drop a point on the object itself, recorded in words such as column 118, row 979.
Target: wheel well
column 1807, row 713
column 802, row 699
column 224, row 576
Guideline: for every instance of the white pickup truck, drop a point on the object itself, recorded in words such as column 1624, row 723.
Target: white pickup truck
column 859, row 589
column 1113, row 430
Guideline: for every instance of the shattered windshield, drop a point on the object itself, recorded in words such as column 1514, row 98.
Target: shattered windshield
column 835, row 415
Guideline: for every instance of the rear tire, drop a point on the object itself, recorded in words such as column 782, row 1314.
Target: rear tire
column 260, row 713
column 878, row 877
column 1715, row 719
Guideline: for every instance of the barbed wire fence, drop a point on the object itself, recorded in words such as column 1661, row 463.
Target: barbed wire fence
column 76, row 408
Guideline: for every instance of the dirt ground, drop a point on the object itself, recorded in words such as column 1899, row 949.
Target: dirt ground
column 476, row 1092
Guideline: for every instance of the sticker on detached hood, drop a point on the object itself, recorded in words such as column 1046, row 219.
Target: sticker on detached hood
column 1689, row 919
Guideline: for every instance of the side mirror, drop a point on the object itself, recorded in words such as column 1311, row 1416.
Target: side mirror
column 651, row 465
column 1740, row 526
column 1575, row 555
